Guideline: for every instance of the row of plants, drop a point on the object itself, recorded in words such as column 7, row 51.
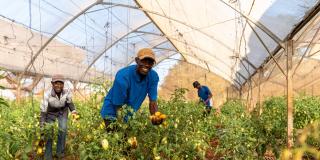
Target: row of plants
column 185, row 134
column 253, row 136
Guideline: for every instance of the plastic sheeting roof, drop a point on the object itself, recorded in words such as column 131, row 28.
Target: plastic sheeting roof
column 229, row 38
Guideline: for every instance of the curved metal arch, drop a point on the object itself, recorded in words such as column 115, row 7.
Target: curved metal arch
column 111, row 45
column 159, row 14
column 258, row 24
column 246, row 60
column 162, row 35
column 208, row 68
column 205, row 62
column 152, row 47
column 168, row 57
column 57, row 32
column 178, row 21
column 308, row 18
column 255, row 22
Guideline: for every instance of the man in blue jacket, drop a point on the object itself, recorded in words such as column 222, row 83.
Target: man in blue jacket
column 204, row 94
column 131, row 85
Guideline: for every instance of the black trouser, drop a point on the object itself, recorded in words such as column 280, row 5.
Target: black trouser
column 207, row 110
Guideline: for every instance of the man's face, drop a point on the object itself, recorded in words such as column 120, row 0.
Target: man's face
column 58, row 86
column 198, row 86
column 144, row 65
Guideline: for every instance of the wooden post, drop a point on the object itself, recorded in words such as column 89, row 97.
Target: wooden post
column 248, row 96
column 18, row 92
column 240, row 93
column 312, row 86
column 35, row 82
column 290, row 105
column 259, row 90
column 227, row 93
column 75, row 89
column 15, row 80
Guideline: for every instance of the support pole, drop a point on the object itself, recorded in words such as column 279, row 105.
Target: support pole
column 290, row 105
column 18, row 92
column 56, row 33
column 75, row 89
column 259, row 90
column 240, row 92
column 248, row 104
column 227, row 93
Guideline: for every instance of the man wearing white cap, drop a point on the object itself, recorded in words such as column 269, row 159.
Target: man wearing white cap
column 55, row 105
column 131, row 85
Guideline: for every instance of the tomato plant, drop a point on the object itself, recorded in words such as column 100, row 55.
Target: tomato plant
column 185, row 134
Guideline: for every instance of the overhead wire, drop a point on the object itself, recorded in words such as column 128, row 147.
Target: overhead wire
column 106, row 26
column 28, row 44
column 128, row 26
column 110, row 12
column 127, row 38
column 71, row 15
column 232, row 67
column 111, row 32
column 41, row 39
column 85, row 23
column 31, row 37
column 86, row 36
column 242, row 37
column 188, row 21
column 44, row 32
column 247, row 68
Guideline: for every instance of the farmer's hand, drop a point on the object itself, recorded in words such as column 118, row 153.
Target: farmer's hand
column 156, row 121
column 75, row 115
column 157, row 118
column 41, row 141
column 153, row 107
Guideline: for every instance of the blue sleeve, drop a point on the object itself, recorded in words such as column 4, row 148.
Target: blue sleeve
column 153, row 88
column 208, row 90
column 119, row 90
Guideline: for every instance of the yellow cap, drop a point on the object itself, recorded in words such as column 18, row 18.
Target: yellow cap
column 146, row 53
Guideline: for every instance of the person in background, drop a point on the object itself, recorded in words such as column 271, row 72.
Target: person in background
column 204, row 94
column 55, row 104
column 131, row 86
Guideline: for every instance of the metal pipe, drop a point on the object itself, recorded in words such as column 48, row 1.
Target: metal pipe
column 305, row 52
column 265, row 46
column 259, row 25
column 107, row 48
column 57, row 32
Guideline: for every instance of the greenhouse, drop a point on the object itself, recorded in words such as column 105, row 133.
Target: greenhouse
column 160, row 79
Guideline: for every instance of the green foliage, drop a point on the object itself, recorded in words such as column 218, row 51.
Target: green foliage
column 273, row 122
column 186, row 134
column 3, row 102
column 185, row 128
column 303, row 149
column 18, row 129
column 247, row 136
column 307, row 109
column 178, row 95
column 233, row 108
column 238, row 137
